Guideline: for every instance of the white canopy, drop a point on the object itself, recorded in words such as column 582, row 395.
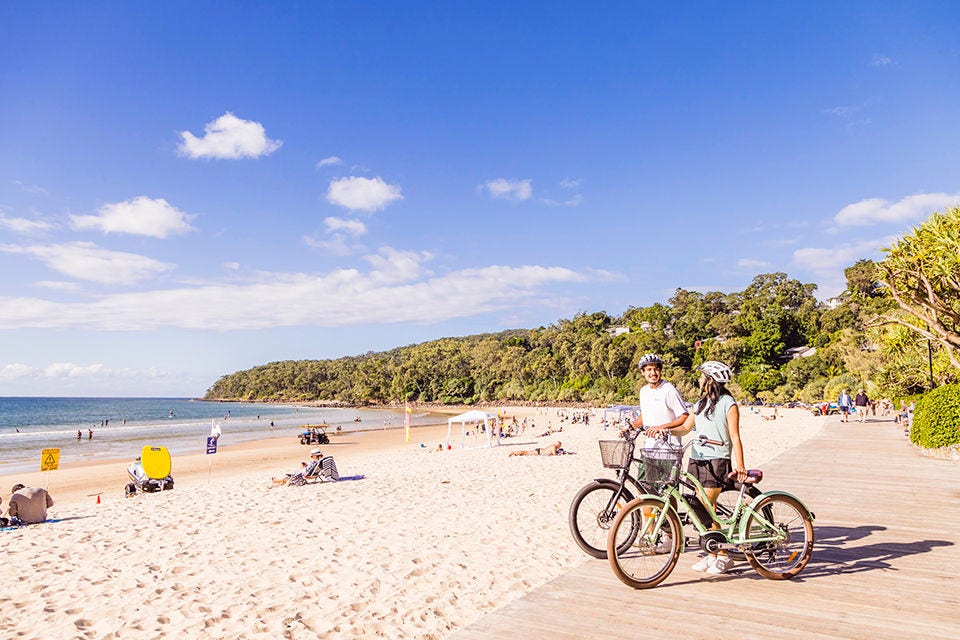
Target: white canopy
column 471, row 416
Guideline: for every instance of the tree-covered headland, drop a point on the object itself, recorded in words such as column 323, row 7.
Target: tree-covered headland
column 894, row 331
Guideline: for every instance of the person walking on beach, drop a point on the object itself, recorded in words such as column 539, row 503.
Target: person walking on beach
column 717, row 416
column 79, row 434
column 661, row 407
column 845, row 404
column 89, row 434
column 861, row 402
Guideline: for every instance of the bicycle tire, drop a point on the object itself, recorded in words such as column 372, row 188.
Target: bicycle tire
column 588, row 522
column 631, row 550
column 785, row 558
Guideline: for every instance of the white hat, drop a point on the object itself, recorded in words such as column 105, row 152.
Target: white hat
column 316, row 452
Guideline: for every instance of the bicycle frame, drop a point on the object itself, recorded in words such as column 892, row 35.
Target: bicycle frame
column 733, row 528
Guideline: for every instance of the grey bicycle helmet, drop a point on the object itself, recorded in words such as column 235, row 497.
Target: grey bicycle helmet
column 650, row 358
column 716, row 370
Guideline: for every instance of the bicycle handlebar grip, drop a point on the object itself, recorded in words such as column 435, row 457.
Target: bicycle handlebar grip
column 706, row 440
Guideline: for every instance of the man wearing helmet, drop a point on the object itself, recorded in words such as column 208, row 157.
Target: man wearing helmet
column 717, row 417
column 661, row 407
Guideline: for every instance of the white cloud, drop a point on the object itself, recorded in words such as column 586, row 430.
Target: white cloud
column 68, row 370
column 24, row 225
column 833, row 259
column 353, row 227
column 877, row 210
column 570, row 183
column 393, row 265
column 572, row 201
column 362, row 194
column 16, row 370
column 331, row 161
column 30, row 188
column 397, row 289
column 229, row 137
column 748, row 263
column 880, row 60
column 828, row 263
column 87, row 261
column 141, row 216
column 517, row 190
column 57, row 285
column 337, row 244
column 231, row 266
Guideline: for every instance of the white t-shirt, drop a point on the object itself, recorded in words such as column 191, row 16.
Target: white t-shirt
column 660, row 405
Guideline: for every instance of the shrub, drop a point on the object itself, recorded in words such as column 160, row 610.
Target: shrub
column 936, row 420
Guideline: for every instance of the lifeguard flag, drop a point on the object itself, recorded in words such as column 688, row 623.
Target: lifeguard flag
column 406, row 421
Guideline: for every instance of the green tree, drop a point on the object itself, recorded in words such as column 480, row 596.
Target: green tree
column 922, row 273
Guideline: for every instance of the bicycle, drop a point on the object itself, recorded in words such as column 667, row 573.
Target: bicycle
column 774, row 531
column 597, row 503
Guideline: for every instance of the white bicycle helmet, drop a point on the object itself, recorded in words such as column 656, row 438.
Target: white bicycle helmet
column 716, row 370
column 650, row 358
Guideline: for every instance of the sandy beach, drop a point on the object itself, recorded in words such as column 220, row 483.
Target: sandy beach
column 425, row 544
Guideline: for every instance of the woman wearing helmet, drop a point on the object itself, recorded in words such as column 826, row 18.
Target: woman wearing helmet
column 716, row 416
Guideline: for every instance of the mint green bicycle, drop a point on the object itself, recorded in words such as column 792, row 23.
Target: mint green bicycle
column 774, row 530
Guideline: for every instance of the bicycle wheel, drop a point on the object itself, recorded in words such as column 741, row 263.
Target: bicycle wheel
column 591, row 517
column 635, row 549
column 786, row 556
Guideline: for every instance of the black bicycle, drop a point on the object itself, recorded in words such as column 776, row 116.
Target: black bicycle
column 597, row 503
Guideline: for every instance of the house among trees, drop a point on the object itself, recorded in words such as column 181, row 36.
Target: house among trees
column 797, row 352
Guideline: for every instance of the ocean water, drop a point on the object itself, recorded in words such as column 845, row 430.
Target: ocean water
column 123, row 426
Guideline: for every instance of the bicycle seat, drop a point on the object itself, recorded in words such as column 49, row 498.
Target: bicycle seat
column 753, row 476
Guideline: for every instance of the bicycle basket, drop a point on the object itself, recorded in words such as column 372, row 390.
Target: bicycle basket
column 615, row 454
column 662, row 464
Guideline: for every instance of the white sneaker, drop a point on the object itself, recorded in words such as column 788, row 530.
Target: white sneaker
column 665, row 545
column 703, row 564
column 721, row 566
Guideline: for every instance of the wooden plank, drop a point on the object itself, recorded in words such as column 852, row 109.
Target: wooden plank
column 885, row 564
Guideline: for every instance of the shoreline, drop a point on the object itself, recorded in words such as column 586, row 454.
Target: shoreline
column 75, row 481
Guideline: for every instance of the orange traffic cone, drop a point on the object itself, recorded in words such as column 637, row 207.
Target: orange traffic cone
column 98, row 498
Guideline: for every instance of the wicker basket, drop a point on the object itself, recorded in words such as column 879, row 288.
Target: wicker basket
column 662, row 465
column 615, row 453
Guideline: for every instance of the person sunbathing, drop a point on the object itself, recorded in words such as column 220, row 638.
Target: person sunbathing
column 552, row 450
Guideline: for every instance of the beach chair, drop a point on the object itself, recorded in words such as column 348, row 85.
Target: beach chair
column 326, row 473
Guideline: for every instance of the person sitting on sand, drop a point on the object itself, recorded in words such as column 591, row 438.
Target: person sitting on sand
column 28, row 505
column 306, row 469
column 552, row 450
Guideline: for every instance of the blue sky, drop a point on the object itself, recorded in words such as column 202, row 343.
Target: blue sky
column 190, row 188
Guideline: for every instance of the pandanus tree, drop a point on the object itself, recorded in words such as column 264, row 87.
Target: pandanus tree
column 922, row 273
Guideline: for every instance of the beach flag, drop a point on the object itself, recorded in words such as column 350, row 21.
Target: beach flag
column 406, row 421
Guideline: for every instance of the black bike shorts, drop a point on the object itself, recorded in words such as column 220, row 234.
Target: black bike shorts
column 711, row 473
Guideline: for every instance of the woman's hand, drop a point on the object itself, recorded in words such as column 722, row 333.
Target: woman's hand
column 741, row 473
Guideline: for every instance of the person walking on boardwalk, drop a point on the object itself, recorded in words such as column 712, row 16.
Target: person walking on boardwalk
column 845, row 404
column 716, row 416
column 861, row 402
column 662, row 407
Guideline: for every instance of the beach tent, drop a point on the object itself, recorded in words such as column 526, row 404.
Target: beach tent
column 474, row 416
column 621, row 411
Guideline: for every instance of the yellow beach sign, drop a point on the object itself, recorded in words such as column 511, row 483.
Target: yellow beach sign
column 49, row 459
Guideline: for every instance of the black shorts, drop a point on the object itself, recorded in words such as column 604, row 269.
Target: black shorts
column 712, row 473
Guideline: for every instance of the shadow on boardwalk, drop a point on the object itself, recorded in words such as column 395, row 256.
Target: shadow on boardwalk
column 884, row 565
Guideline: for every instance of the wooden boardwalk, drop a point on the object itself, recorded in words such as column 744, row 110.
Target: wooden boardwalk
column 886, row 563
